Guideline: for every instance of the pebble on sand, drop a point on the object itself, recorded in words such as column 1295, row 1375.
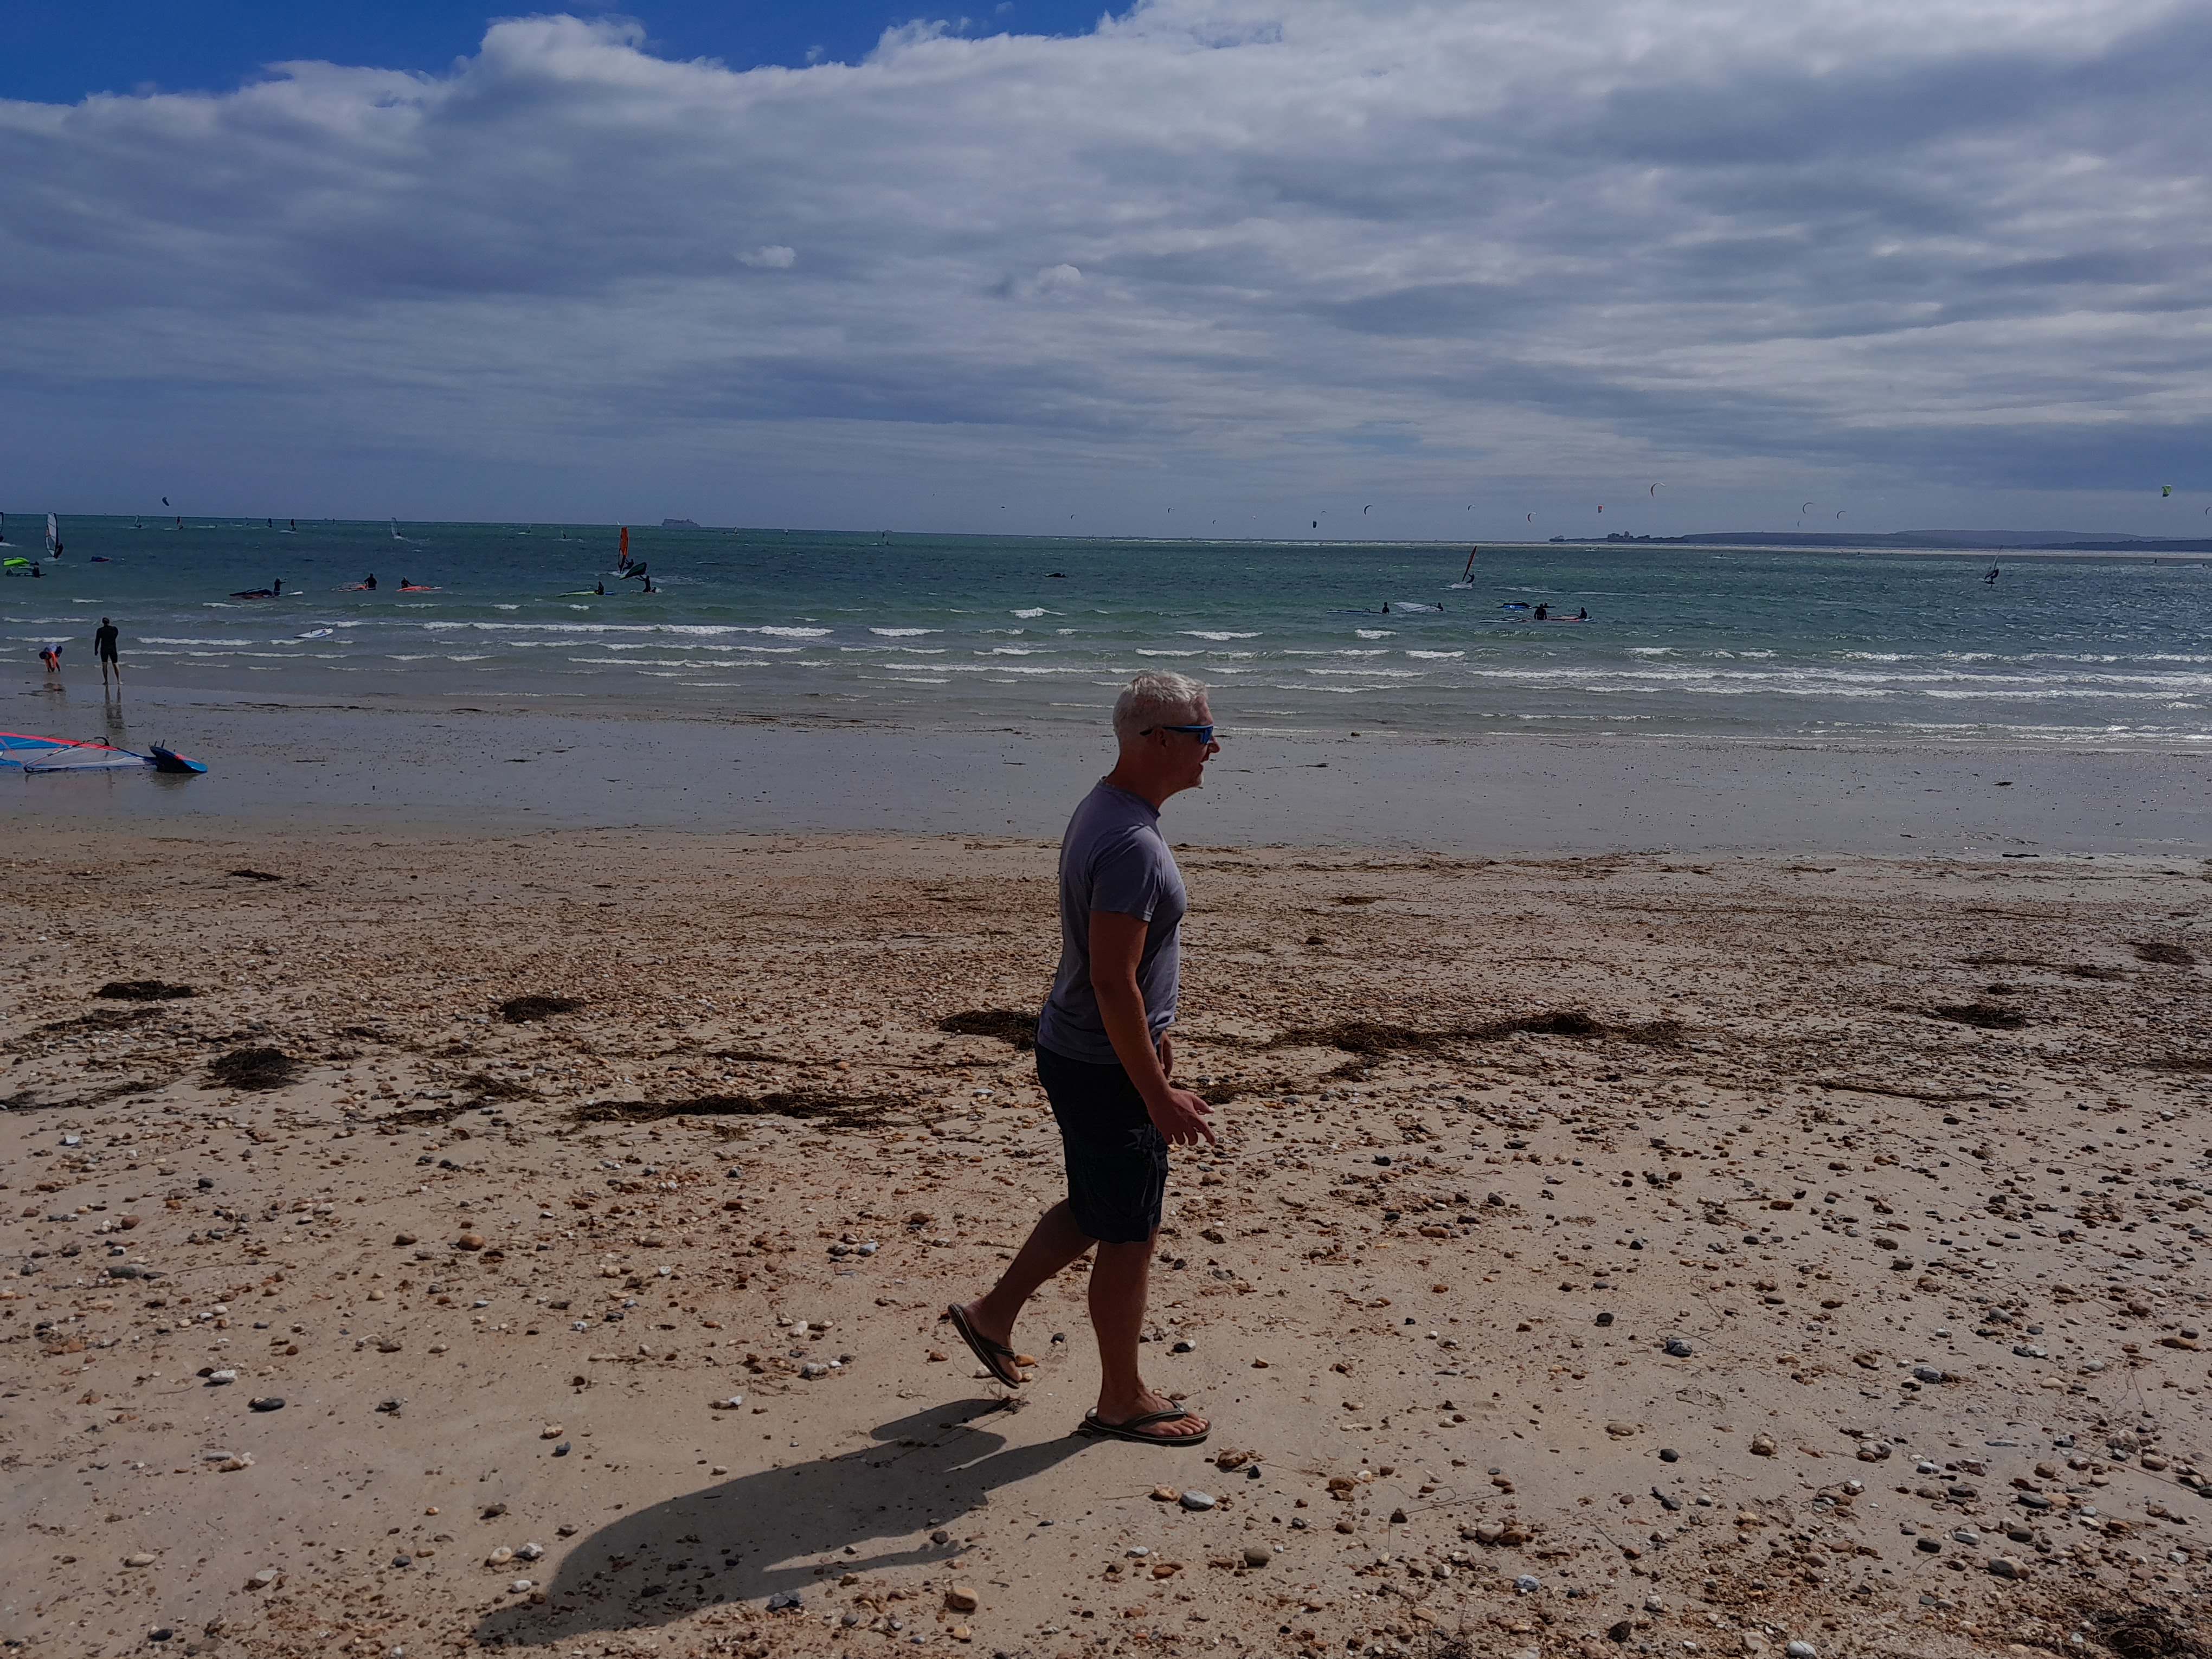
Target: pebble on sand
column 265, row 1402
column 963, row 1598
column 1198, row 1500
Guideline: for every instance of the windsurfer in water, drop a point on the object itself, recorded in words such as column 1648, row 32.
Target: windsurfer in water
column 1543, row 613
column 369, row 582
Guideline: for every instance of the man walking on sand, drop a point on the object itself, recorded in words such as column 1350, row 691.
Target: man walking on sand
column 103, row 647
column 1107, row 1063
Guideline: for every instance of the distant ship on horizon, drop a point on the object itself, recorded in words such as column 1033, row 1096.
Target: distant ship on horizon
column 679, row 524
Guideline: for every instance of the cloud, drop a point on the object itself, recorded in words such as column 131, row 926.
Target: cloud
column 1210, row 251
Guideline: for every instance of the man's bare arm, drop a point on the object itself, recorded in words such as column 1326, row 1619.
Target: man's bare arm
column 1117, row 943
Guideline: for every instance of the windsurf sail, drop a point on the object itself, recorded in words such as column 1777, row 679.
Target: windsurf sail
column 54, row 537
column 1469, row 571
column 33, row 754
column 4, row 530
column 623, row 550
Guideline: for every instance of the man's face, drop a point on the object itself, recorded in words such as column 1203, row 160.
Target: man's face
column 1186, row 756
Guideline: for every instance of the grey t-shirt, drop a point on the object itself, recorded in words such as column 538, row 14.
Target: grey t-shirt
column 1112, row 858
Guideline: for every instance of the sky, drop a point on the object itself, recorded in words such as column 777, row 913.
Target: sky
column 1386, row 269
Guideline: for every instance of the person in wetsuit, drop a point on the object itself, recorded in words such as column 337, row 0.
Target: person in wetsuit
column 103, row 647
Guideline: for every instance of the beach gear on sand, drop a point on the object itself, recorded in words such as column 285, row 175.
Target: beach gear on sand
column 1095, row 1427
column 990, row 1353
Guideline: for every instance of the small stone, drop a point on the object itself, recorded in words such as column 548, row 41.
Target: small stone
column 1668, row 1454
column 940, row 1536
column 1929, row 1374
column 1802, row 1650
column 141, row 1559
column 1526, row 1584
column 1198, row 1500
column 531, row 1551
column 1753, row 1643
column 1620, row 1431
column 221, row 1379
column 550, row 1431
column 1259, row 1365
column 1184, row 1345
column 962, row 1598
column 402, row 1238
column 520, row 1587
column 1397, row 1517
column 783, row 1599
column 2005, row 1566
column 500, row 1557
column 403, row 1561
column 262, row 1579
column 1680, row 1347
column 1605, row 1319
column 811, row 1370
column 265, row 1402
column 1165, row 1495
column 469, row 1242
column 1258, row 1555
column 561, row 1450
column 730, row 1403
column 1762, row 1445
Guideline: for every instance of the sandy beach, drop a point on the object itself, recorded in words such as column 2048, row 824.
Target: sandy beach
column 1622, row 1252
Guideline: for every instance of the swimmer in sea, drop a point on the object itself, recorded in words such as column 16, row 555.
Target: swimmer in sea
column 1543, row 613
column 369, row 582
column 599, row 588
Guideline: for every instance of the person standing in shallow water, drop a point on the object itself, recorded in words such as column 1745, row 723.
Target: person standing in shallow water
column 103, row 647
column 1107, row 1061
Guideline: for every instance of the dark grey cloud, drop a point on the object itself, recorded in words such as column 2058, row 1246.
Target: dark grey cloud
column 1233, row 252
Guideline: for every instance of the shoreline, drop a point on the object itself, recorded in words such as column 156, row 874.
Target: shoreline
column 434, row 764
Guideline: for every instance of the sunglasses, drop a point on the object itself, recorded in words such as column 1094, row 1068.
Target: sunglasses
column 1203, row 733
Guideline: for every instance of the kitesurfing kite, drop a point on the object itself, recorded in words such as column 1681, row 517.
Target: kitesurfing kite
column 2164, row 491
column 1654, row 492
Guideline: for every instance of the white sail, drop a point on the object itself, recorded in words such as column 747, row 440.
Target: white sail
column 396, row 536
column 53, row 536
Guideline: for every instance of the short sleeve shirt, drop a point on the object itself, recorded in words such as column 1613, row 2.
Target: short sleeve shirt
column 1113, row 857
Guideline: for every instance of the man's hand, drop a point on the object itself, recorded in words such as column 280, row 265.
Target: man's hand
column 1181, row 1116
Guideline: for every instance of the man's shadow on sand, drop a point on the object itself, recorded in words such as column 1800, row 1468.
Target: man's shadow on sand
column 782, row 1530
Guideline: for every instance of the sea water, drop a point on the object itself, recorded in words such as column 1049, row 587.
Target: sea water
column 1300, row 637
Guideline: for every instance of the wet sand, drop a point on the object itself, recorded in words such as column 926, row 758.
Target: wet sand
column 491, row 766
column 1904, row 1158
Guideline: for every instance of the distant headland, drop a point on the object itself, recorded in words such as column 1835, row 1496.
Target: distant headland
column 2036, row 541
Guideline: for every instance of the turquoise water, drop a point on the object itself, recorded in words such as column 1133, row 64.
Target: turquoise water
column 933, row 630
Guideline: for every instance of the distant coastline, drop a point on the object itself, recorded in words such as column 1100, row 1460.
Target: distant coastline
column 1908, row 541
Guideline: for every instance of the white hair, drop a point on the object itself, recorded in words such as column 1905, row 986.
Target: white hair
column 1155, row 697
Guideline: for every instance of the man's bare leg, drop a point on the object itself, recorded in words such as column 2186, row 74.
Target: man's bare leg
column 1118, row 1281
column 1054, row 1242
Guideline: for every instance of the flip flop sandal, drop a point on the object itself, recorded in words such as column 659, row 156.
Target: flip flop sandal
column 990, row 1354
column 1096, row 1427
